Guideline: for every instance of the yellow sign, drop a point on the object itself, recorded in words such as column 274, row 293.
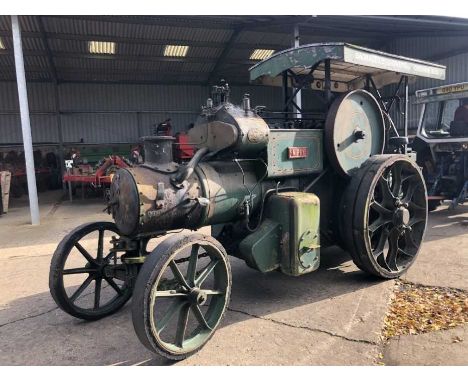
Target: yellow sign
column 452, row 88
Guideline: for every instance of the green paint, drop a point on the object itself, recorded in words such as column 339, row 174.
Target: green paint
column 261, row 249
column 306, row 56
column 289, row 237
column 278, row 162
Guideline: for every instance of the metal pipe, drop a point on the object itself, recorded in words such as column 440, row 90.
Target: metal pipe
column 185, row 172
column 327, row 84
column 406, row 112
column 298, row 97
column 25, row 122
column 285, row 94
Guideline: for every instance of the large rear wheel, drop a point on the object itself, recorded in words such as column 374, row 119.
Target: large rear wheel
column 384, row 215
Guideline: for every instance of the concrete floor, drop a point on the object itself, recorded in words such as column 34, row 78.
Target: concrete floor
column 330, row 317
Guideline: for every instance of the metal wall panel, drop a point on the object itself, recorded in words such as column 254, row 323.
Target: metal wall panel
column 43, row 129
column 99, row 128
column 93, row 97
column 423, row 48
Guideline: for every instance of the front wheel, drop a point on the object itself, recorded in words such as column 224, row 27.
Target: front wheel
column 384, row 215
column 87, row 279
column 181, row 295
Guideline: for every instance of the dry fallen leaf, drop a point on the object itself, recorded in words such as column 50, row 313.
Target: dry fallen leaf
column 418, row 309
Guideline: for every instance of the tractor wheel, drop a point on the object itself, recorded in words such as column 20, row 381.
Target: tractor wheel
column 181, row 295
column 384, row 215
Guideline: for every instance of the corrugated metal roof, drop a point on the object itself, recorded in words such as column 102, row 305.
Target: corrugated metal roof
column 140, row 42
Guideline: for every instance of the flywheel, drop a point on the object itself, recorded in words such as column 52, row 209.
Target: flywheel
column 354, row 131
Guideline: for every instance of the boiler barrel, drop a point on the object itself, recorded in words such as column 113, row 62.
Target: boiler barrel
column 145, row 201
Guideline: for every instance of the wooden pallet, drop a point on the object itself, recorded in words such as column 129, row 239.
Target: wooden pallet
column 5, row 181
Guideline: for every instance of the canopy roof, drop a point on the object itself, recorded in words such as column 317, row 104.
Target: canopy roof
column 349, row 65
column 442, row 93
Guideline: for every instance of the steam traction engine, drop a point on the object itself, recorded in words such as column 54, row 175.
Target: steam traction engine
column 275, row 187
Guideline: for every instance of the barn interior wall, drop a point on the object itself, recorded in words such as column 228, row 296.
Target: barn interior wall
column 102, row 113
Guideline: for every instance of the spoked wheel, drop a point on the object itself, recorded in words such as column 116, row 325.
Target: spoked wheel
column 384, row 215
column 181, row 295
column 86, row 279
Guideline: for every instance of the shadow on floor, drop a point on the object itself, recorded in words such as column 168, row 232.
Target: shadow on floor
column 54, row 338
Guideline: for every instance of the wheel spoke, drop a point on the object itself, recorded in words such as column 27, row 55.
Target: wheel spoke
column 377, row 224
column 178, row 274
column 81, row 288
column 169, row 293
column 174, row 308
column 114, row 285
column 200, row 317
column 85, row 253
column 413, row 206
column 379, row 208
column 192, row 266
column 97, row 292
column 409, row 239
column 74, row 271
column 406, row 253
column 391, row 259
column 409, row 193
column 212, row 292
column 386, row 192
column 182, row 325
column 409, row 177
column 100, row 248
column 396, row 180
column 206, row 272
column 381, row 244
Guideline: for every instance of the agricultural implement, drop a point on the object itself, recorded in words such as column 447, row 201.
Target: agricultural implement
column 275, row 187
column 442, row 143
column 100, row 176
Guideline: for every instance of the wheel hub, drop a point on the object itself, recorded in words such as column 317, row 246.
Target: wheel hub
column 197, row 296
column 401, row 216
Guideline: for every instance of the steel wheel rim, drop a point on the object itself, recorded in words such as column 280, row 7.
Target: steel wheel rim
column 98, row 270
column 396, row 217
column 188, row 299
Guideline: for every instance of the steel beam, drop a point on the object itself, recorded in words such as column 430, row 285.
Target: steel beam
column 224, row 55
column 25, row 122
column 414, row 20
column 53, row 70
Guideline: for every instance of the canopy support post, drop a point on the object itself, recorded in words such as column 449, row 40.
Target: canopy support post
column 25, row 121
column 285, row 95
column 298, row 97
column 327, row 84
column 406, row 112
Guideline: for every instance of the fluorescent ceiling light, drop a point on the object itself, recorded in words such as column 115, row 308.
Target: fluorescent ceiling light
column 2, row 46
column 101, row 47
column 261, row 54
column 176, row 50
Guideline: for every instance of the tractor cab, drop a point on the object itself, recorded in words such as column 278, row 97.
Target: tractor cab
column 442, row 142
column 444, row 114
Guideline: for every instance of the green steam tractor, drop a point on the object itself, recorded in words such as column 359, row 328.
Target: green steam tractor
column 274, row 186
